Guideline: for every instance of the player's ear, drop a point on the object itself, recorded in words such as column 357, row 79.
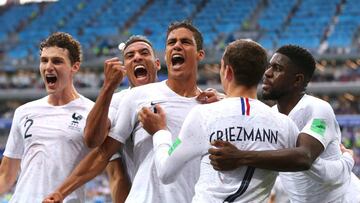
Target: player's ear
column 75, row 67
column 229, row 73
column 201, row 55
column 157, row 64
column 299, row 80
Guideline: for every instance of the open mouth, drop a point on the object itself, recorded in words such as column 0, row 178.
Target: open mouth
column 177, row 59
column 50, row 79
column 140, row 71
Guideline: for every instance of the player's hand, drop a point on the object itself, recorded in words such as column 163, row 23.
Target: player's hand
column 210, row 95
column 55, row 197
column 114, row 72
column 152, row 122
column 224, row 156
column 344, row 149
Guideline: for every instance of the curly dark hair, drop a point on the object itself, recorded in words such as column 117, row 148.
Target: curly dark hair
column 248, row 60
column 65, row 41
column 188, row 25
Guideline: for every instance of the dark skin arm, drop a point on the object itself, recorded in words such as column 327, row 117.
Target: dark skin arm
column 97, row 122
column 92, row 165
column 227, row 157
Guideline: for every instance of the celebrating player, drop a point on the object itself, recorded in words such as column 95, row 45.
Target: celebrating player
column 240, row 119
column 46, row 136
column 177, row 94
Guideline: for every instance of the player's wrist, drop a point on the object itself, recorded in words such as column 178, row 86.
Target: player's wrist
column 109, row 87
column 59, row 196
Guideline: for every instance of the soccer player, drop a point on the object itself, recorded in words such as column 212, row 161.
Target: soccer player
column 177, row 95
column 239, row 118
column 141, row 67
column 329, row 177
column 46, row 137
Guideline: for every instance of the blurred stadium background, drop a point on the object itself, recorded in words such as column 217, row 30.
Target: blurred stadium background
column 330, row 29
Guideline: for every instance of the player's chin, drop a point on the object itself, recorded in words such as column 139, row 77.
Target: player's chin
column 50, row 90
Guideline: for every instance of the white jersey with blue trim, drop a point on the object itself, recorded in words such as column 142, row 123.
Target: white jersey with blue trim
column 249, row 125
column 146, row 186
column 329, row 177
column 49, row 141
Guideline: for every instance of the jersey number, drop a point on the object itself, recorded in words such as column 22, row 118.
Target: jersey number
column 27, row 125
column 243, row 186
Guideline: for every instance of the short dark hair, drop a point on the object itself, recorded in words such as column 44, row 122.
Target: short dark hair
column 301, row 57
column 137, row 38
column 188, row 25
column 65, row 41
column 248, row 60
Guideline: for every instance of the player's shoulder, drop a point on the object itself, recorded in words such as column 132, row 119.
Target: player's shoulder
column 149, row 86
column 32, row 106
column 314, row 103
column 35, row 103
column 84, row 101
column 121, row 93
column 146, row 92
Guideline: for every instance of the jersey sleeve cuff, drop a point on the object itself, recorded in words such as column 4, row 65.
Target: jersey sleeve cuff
column 162, row 137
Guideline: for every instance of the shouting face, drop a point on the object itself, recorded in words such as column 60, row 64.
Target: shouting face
column 140, row 63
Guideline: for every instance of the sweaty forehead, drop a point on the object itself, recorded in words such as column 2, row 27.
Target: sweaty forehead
column 136, row 46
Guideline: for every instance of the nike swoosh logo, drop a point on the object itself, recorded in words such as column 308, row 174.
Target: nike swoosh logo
column 153, row 103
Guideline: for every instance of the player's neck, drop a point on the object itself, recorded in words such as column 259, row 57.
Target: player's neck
column 241, row 91
column 287, row 102
column 63, row 97
column 183, row 88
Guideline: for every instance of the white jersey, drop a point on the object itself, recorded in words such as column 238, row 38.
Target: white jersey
column 280, row 196
column 126, row 153
column 316, row 118
column 49, row 141
column 248, row 124
column 146, row 186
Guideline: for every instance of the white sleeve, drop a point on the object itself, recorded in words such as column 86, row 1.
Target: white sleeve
column 332, row 171
column 321, row 125
column 126, row 118
column 114, row 105
column 171, row 158
column 15, row 143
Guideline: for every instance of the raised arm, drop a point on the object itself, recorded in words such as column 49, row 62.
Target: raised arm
column 97, row 123
column 92, row 165
column 9, row 169
column 227, row 157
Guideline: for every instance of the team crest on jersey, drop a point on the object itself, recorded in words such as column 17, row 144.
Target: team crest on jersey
column 74, row 124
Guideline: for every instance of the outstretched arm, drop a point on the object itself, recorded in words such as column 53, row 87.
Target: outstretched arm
column 97, row 123
column 8, row 172
column 227, row 157
column 92, row 165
